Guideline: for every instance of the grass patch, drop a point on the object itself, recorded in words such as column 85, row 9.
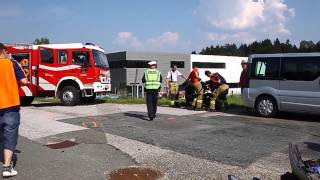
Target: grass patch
column 235, row 100
column 47, row 100
column 129, row 100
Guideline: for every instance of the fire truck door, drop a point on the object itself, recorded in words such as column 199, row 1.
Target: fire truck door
column 47, row 69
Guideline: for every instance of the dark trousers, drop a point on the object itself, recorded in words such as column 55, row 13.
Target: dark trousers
column 152, row 101
column 9, row 124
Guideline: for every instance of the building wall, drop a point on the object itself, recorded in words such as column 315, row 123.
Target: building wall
column 232, row 69
column 231, row 72
column 122, row 77
column 163, row 63
column 118, row 75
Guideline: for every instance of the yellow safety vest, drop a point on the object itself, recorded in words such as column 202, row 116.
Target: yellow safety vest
column 152, row 77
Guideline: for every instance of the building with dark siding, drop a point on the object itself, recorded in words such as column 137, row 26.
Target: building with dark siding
column 127, row 68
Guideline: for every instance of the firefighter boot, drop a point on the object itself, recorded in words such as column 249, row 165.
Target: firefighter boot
column 199, row 104
column 172, row 103
column 212, row 105
column 194, row 102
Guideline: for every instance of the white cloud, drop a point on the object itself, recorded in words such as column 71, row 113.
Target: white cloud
column 165, row 39
column 164, row 42
column 128, row 40
column 239, row 37
column 248, row 18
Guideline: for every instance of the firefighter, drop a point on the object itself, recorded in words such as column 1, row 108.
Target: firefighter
column 194, row 77
column 220, row 90
column 152, row 80
column 172, row 84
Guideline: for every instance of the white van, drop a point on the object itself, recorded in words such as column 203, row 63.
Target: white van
column 283, row 82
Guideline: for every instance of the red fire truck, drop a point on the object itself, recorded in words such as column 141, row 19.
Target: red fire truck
column 72, row 72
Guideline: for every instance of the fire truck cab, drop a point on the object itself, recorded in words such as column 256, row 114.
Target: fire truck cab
column 72, row 72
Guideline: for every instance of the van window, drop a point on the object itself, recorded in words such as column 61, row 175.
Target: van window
column 81, row 58
column 301, row 68
column 46, row 55
column 265, row 68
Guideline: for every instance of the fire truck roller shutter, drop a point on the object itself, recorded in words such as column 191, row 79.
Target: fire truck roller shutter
column 24, row 62
column 25, row 66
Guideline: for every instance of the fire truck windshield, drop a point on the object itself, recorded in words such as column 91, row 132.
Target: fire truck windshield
column 100, row 58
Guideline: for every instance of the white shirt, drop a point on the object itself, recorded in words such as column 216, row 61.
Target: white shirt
column 173, row 76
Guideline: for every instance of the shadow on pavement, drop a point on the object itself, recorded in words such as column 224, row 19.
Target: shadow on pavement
column 313, row 146
column 48, row 104
column 138, row 116
column 240, row 110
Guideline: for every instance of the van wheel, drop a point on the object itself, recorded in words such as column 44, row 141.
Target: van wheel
column 266, row 106
column 70, row 96
column 26, row 100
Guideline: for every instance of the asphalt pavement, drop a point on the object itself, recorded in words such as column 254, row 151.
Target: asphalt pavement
column 182, row 144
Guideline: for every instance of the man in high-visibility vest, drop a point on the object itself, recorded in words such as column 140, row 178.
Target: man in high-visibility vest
column 152, row 80
column 11, row 76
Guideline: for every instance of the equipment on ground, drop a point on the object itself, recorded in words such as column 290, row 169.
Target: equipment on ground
column 303, row 170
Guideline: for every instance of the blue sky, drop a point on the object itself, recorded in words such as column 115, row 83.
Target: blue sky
column 166, row 25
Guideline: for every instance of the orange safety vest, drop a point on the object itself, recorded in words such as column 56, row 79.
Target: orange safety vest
column 9, row 90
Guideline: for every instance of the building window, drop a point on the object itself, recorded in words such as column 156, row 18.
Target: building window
column 137, row 64
column 265, row 68
column 179, row 64
column 47, row 56
column 117, row 64
column 63, row 57
column 207, row 65
column 301, row 68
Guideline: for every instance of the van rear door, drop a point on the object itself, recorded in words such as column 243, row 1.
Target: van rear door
column 300, row 84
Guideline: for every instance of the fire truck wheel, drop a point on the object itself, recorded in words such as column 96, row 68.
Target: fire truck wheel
column 70, row 95
column 26, row 100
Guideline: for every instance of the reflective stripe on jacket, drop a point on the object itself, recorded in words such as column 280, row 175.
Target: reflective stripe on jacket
column 152, row 77
column 9, row 90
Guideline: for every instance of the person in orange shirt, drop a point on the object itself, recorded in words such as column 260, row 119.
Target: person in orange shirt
column 194, row 77
column 12, row 76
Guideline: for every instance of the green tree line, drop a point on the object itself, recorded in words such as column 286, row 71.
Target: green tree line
column 261, row 47
column 42, row 40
